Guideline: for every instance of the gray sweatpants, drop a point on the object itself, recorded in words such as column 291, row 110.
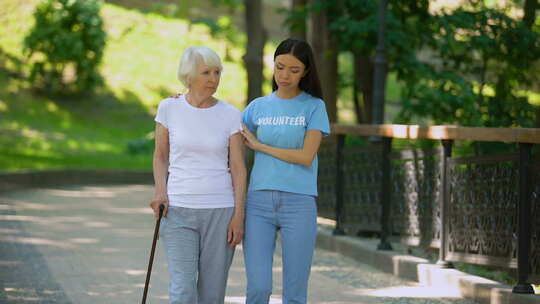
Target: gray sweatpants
column 198, row 257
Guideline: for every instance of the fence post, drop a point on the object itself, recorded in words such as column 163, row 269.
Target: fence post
column 339, row 185
column 524, row 219
column 444, row 203
column 386, row 189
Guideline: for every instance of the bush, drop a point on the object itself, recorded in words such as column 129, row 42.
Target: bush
column 66, row 45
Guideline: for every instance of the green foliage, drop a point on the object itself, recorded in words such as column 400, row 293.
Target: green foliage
column 474, row 52
column 229, row 3
column 295, row 19
column 224, row 29
column 357, row 28
column 469, row 66
column 66, row 45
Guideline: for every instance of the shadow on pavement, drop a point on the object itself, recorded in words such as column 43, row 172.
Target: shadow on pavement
column 24, row 275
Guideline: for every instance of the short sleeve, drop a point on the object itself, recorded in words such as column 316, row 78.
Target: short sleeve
column 236, row 124
column 319, row 119
column 161, row 115
column 247, row 117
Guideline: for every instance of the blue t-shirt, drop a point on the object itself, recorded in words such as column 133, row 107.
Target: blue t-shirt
column 283, row 123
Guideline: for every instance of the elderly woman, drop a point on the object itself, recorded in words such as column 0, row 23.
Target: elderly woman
column 200, row 177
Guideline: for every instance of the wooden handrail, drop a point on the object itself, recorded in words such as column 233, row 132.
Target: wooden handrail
column 518, row 135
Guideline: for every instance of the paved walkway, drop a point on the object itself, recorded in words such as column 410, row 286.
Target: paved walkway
column 90, row 244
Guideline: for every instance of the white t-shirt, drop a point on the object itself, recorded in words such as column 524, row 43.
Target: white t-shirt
column 199, row 175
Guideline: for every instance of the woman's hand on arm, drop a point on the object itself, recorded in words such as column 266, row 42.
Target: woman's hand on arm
column 160, row 169
column 304, row 156
column 237, row 164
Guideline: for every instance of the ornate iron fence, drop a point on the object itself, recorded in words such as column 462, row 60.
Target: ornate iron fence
column 470, row 208
column 535, row 225
column 415, row 196
column 415, row 191
column 326, row 201
column 360, row 182
column 484, row 197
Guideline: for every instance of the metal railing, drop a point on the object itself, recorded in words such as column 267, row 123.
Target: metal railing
column 480, row 209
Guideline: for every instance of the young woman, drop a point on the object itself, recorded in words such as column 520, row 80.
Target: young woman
column 285, row 130
column 200, row 177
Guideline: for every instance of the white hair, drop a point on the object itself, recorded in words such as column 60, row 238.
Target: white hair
column 192, row 57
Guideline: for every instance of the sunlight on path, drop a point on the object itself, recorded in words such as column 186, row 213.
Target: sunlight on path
column 90, row 244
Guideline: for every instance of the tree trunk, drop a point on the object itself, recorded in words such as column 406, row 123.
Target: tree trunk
column 363, row 81
column 326, row 57
column 380, row 69
column 256, row 39
column 356, row 100
column 529, row 12
column 529, row 17
column 298, row 27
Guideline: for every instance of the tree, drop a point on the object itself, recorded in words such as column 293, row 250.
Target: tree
column 297, row 19
column 469, row 66
column 529, row 9
column 68, row 42
column 529, row 17
column 326, row 53
column 493, row 52
column 256, row 39
column 224, row 29
column 356, row 29
column 362, row 87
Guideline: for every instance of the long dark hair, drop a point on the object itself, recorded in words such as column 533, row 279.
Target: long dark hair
column 302, row 51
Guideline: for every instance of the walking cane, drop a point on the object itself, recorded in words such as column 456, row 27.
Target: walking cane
column 156, row 233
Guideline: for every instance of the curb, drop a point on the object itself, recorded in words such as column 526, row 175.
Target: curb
column 478, row 289
column 35, row 178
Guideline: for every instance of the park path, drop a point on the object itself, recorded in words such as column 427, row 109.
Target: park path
column 90, row 244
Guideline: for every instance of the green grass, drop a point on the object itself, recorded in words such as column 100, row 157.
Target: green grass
column 139, row 68
column 143, row 51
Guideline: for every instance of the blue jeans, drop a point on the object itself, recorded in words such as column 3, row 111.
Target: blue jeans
column 295, row 216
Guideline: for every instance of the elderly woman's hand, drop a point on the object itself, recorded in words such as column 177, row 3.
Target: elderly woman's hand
column 250, row 139
column 159, row 200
